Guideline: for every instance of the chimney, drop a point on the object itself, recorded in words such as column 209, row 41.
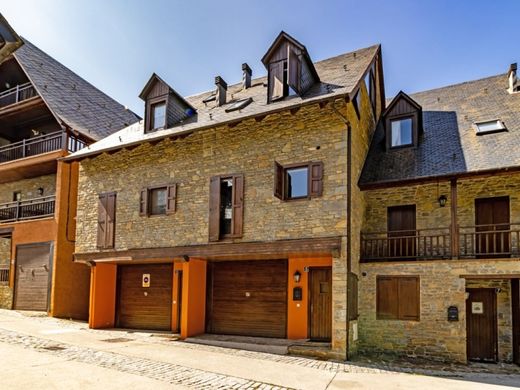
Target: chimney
column 246, row 76
column 221, row 91
column 514, row 83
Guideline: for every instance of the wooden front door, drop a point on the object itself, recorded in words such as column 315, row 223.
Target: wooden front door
column 32, row 276
column 481, row 324
column 401, row 231
column 492, row 231
column 515, row 305
column 247, row 298
column 320, row 304
column 144, row 296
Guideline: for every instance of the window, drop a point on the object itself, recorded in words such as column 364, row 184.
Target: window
column 490, row 127
column 158, row 200
column 401, row 132
column 298, row 181
column 17, row 196
column 357, row 103
column 106, row 220
column 226, row 207
column 158, row 116
column 398, row 298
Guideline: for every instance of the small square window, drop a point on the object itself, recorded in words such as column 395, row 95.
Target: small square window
column 297, row 182
column 490, row 127
column 401, row 132
column 158, row 116
column 158, row 201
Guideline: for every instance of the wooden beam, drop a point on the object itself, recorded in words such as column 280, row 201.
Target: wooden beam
column 234, row 124
column 260, row 118
column 225, row 251
column 491, row 276
column 293, row 111
column 454, row 220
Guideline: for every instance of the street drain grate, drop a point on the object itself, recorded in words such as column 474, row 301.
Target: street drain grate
column 54, row 348
column 117, row 340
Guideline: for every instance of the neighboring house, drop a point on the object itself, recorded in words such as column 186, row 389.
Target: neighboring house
column 46, row 112
column 229, row 212
column 440, row 246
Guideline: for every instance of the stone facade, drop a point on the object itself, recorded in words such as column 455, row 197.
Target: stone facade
column 5, row 251
column 6, row 297
column 28, row 188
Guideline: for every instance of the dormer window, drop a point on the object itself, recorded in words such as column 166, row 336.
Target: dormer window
column 401, row 132
column 493, row 126
column 158, row 115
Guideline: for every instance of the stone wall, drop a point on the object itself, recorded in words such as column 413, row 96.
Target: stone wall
column 28, row 187
column 433, row 336
column 5, row 251
column 6, row 297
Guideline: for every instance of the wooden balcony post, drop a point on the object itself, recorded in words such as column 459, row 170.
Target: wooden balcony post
column 454, row 221
column 64, row 140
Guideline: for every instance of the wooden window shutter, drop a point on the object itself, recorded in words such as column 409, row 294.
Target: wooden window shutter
column 171, row 198
column 386, row 298
column 294, row 71
column 111, row 220
column 352, row 295
column 276, row 80
column 102, row 220
column 238, row 205
column 143, row 203
column 278, row 181
column 409, row 300
column 214, row 209
column 316, row 179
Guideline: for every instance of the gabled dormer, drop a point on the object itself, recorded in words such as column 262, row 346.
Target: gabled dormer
column 289, row 68
column 9, row 39
column 163, row 106
column 403, row 122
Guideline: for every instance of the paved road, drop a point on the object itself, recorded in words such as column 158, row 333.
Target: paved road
column 44, row 353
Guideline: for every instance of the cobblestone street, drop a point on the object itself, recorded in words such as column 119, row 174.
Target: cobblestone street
column 66, row 354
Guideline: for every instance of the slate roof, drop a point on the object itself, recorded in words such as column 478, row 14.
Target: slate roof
column 449, row 144
column 74, row 101
column 339, row 76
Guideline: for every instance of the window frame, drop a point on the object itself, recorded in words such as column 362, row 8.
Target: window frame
column 144, row 197
column 150, row 103
column 356, row 102
column 284, row 168
column 485, row 132
column 398, row 316
column 237, row 216
column 412, row 130
column 108, row 240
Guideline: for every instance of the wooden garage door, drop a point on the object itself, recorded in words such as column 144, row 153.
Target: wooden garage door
column 145, row 307
column 32, row 276
column 248, row 298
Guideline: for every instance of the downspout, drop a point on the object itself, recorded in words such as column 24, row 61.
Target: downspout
column 349, row 217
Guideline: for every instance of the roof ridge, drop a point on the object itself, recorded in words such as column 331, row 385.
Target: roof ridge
column 456, row 84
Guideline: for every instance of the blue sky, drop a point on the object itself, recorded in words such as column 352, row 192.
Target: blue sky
column 117, row 44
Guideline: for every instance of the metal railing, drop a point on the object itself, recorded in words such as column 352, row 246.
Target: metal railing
column 4, row 275
column 17, row 94
column 406, row 244
column 40, row 145
column 27, row 209
column 496, row 240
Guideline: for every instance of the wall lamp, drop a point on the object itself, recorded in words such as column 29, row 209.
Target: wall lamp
column 442, row 200
column 40, row 191
column 297, row 276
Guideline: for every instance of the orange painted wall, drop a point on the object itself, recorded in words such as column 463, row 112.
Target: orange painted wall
column 193, row 314
column 103, row 282
column 298, row 311
column 175, row 297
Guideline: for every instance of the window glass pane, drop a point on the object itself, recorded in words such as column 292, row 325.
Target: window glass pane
column 484, row 127
column 226, row 205
column 297, row 182
column 158, row 115
column 402, row 132
column 158, row 201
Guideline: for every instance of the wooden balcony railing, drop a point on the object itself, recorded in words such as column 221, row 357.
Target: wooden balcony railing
column 17, row 94
column 4, row 275
column 27, row 209
column 498, row 240
column 409, row 244
column 39, row 145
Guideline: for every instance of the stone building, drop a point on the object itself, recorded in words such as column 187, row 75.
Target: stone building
column 228, row 212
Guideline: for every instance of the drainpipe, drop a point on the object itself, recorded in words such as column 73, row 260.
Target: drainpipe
column 349, row 218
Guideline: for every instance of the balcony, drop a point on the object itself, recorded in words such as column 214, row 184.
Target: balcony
column 470, row 242
column 27, row 209
column 17, row 94
column 46, row 143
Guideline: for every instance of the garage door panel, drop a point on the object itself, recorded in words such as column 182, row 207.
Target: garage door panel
column 32, row 276
column 249, row 298
column 145, row 307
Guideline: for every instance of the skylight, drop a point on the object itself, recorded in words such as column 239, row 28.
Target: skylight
column 490, row 126
column 238, row 105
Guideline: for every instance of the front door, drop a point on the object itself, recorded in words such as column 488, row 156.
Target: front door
column 492, row 231
column 481, row 324
column 401, row 231
column 515, row 300
column 320, row 303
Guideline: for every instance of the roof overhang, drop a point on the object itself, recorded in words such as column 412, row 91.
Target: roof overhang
column 9, row 39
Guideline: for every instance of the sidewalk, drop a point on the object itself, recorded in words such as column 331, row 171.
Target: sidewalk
column 52, row 353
